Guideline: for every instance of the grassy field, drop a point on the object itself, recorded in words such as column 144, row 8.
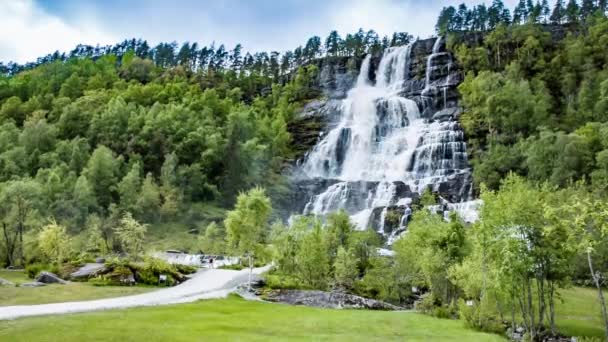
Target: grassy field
column 578, row 314
column 236, row 319
column 10, row 295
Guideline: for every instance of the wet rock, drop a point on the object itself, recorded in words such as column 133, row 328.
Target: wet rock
column 49, row 278
column 386, row 220
column 89, row 271
column 447, row 114
column 456, row 188
column 337, row 75
column 321, row 299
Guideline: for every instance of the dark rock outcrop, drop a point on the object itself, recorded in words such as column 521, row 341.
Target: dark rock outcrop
column 49, row 278
column 89, row 271
column 321, row 299
column 447, row 114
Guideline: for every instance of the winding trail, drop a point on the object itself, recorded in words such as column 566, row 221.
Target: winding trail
column 205, row 284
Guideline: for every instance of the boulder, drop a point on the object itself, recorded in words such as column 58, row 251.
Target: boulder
column 4, row 282
column 49, row 278
column 322, row 299
column 447, row 114
column 33, row 284
column 89, row 270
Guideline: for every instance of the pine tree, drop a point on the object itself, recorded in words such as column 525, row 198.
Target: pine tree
column 572, row 11
column 445, row 22
column 587, row 9
column 545, row 10
column 519, row 13
column 464, row 19
column 602, row 6
column 559, row 12
column 333, row 43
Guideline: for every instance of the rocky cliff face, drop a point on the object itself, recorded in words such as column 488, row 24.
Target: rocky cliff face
column 385, row 129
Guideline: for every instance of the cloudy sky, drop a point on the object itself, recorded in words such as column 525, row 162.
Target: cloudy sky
column 32, row 28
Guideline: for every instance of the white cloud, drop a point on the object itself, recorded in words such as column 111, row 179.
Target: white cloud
column 29, row 32
column 383, row 16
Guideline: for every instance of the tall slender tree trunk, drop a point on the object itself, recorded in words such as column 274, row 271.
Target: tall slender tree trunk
column 250, row 271
column 10, row 245
column 552, row 307
column 542, row 306
column 530, row 308
column 22, row 255
column 513, row 327
column 596, row 280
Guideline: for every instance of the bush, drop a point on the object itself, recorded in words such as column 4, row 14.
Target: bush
column 442, row 312
column 102, row 281
column 184, row 269
column 33, row 270
column 480, row 317
column 279, row 281
column 150, row 271
column 431, row 305
column 427, row 305
column 147, row 272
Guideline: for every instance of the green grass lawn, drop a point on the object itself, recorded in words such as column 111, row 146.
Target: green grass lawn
column 14, row 276
column 236, row 319
column 11, row 295
column 579, row 313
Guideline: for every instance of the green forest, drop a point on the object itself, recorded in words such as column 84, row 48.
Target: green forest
column 162, row 134
column 102, row 145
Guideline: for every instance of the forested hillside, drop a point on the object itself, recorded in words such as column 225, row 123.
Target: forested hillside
column 100, row 143
column 161, row 133
column 536, row 90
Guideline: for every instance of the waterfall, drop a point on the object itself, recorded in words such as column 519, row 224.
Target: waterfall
column 381, row 151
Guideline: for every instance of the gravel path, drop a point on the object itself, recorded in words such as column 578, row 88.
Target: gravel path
column 205, row 284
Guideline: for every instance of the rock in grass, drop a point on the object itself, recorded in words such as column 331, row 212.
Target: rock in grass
column 49, row 278
column 6, row 282
column 89, row 270
column 321, row 299
column 33, row 284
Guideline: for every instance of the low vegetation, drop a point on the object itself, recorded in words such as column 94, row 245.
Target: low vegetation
column 236, row 319
column 56, row 293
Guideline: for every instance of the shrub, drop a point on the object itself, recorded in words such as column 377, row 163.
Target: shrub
column 33, row 270
column 120, row 275
column 184, row 269
column 150, row 271
column 279, row 281
column 441, row 312
column 102, row 281
column 427, row 304
column 480, row 317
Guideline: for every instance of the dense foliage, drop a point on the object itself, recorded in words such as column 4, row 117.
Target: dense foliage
column 103, row 132
column 534, row 99
column 535, row 102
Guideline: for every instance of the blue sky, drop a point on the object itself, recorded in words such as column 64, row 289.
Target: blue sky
column 32, row 28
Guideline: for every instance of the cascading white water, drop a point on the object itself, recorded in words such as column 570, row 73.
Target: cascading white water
column 381, row 140
column 378, row 131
